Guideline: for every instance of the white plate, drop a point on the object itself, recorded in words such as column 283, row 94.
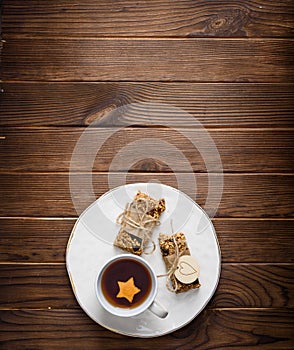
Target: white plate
column 90, row 245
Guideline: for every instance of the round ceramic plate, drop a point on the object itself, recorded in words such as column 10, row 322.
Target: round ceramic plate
column 91, row 244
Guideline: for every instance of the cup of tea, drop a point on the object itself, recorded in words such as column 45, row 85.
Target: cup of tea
column 126, row 286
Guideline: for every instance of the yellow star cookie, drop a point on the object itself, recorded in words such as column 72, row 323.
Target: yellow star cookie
column 127, row 289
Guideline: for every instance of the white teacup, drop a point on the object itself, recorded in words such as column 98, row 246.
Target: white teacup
column 126, row 286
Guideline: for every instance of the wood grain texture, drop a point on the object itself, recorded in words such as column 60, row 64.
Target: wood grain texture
column 265, row 240
column 241, row 285
column 142, row 18
column 213, row 105
column 44, row 240
column 34, row 241
column 245, row 195
column 242, row 329
column 249, row 285
column 198, row 60
column 153, row 150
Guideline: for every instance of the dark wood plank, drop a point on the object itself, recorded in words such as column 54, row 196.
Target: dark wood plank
column 213, row 105
column 212, row 329
column 31, row 240
column 204, row 60
column 249, row 285
column 140, row 18
column 241, row 285
column 255, row 240
column 44, row 240
column 36, row 286
column 243, row 150
column 246, row 195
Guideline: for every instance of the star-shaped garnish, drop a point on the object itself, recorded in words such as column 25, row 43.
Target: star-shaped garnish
column 127, row 289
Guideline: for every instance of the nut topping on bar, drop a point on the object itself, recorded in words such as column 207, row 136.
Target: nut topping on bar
column 182, row 269
column 137, row 223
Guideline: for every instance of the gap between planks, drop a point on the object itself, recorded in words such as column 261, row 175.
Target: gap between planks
column 253, row 173
column 5, row 38
column 68, row 218
column 222, row 263
column 172, row 81
column 49, row 308
column 93, row 82
column 134, row 126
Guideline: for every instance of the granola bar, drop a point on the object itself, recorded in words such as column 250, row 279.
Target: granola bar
column 137, row 223
column 172, row 248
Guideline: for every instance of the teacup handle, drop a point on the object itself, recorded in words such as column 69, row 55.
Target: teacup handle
column 158, row 310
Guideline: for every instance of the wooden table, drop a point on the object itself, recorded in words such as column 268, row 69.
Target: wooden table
column 227, row 63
